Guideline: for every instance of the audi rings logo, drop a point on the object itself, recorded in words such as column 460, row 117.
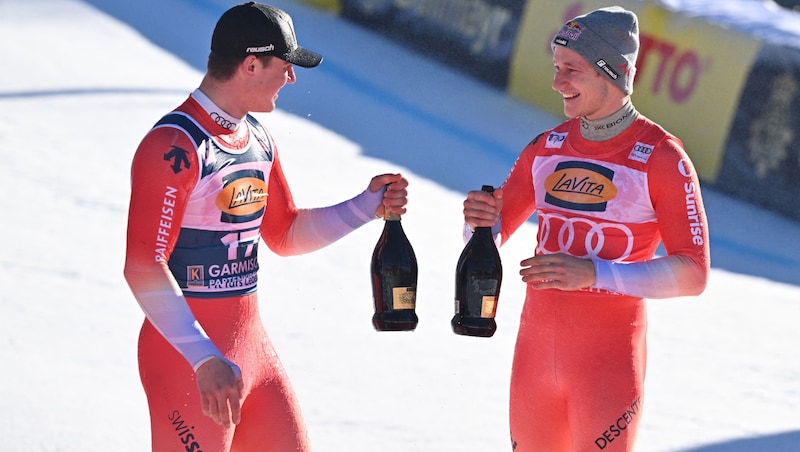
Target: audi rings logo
column 555, row 140
column 583, row 237
column 641, row 152
column 222, row 121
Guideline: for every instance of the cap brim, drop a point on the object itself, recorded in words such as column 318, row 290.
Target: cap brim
column 303, row 57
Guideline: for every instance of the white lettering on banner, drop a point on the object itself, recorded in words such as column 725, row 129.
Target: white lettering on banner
column 564, row 235
column 480, row 22
column 233, row 282
column 555, row 140
column 236, row 239
column 233, row 268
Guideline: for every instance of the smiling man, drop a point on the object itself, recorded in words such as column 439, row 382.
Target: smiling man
column 206, row 188
column 608, row 186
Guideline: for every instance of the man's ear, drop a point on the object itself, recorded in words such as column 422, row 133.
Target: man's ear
column 249, row 64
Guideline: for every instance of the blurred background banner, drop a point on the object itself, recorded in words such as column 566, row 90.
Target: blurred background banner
column 762, row 153
column 474, row 36
column 722, row 76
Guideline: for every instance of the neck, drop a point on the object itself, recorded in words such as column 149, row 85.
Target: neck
column 222, row 94
column 609, row 127
column 217, row 113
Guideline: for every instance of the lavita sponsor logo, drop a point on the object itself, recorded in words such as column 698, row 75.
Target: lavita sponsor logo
column 580, row 185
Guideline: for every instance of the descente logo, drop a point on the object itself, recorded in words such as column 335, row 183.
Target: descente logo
column 261, row 49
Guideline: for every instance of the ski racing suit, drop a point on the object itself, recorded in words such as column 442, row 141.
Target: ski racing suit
column 206, row 188
column 579, row 361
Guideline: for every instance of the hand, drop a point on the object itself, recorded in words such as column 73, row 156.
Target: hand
column 483, row 209
column 220, row 387
column 395, row 196
column 558, row 271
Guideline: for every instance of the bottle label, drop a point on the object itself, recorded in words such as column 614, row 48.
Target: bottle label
column 404, row 298
column 488, row 307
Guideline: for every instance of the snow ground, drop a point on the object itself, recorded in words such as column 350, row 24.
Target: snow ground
column 82, row 83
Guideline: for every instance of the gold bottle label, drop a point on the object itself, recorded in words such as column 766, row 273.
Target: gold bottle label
column 404, row 298
column 488, row 307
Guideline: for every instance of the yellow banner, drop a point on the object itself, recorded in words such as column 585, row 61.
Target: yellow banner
column 332, row 5
column 690, row 73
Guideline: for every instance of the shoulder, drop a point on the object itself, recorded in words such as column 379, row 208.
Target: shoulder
column 553, row 137
column 262, row 135
column 170, row 140
column 657, row 134
column 652, row 145
column 167, row 136
column 255, row 125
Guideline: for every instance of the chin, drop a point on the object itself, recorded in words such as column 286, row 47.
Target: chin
column 570, row 113
column 571, row 110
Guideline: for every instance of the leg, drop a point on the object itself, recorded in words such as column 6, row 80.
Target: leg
column 177, row 421
column 604, row 367
column 271, row 418
column 537, row 407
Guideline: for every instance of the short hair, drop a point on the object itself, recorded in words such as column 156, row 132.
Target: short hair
column 222, row 67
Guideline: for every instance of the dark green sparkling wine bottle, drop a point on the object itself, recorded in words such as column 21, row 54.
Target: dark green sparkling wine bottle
column 394, row 279
column 478, row 276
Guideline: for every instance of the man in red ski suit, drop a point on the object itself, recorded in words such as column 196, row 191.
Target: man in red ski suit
column 608, row 186
column 206, row 188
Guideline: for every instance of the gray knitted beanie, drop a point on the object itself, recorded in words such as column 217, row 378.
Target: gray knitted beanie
column 607, row 38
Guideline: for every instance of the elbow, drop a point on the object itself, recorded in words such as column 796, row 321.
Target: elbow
column 283, row 248
column 127, row 273
column 697, row 289
column 283, row 251
column 703, row 284
column 137, row 274
column 689, row 274
column 698, row 284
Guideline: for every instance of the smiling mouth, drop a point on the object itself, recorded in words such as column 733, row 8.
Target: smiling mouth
column 570, row 96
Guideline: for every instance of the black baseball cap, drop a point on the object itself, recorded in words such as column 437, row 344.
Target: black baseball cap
column 257, row 29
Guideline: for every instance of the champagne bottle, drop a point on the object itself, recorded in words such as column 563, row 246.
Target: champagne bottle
column 394, row 279
column 478, row 276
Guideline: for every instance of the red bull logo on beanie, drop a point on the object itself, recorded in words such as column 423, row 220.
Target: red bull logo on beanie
column 571, row 30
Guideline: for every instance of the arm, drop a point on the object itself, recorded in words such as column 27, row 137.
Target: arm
column 664, row 277
column 509, row 206
column 160, row 188
column 675, row 191
column 158, row 197
column 289, row 231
